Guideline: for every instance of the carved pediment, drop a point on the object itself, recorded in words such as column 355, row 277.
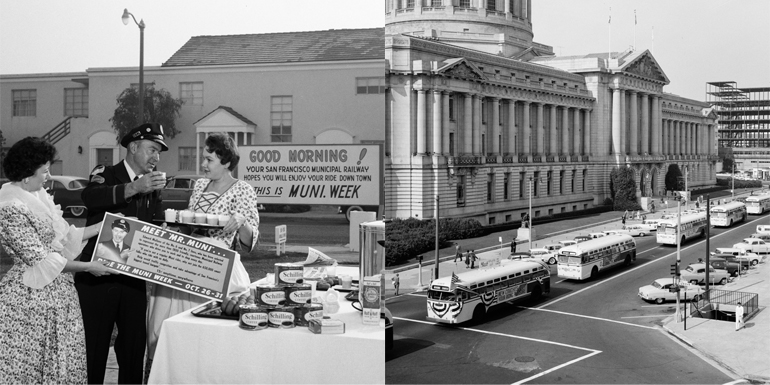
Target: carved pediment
column 646, row 66
column 462, row 69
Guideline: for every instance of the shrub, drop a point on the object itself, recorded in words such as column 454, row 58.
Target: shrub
column 623, row 184
column 406, row 238
column 739, row 183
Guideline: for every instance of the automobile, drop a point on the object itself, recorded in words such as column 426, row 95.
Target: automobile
column 596, row 235
column 738, row 255
column 348, row 209
column 544, row 255
column 753, row 245
column 553, row 247
column 659, row 291
column 696, row 273
column 582, row 238
column 649, row 224
column 632, row 230
column 568, row 242
column 519, row 255
column 66, row 191
column 176, row 194
column 733, row 268
column 763, row 236
column 763, row 229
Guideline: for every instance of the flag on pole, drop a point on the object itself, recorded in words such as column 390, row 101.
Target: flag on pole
column 634, row 17
column 455, row 278
column 609, row 21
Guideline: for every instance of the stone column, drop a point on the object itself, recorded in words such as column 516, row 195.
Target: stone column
column 565, row 130
column 468, row 124
column 675, row 137
column 576, row 132
column 553, row 132
column 477, row 125
column 526, row 137
column 646, row 126
column 634, row 128
column 656, row 122
column 540, row 131
column 508, row 7
column 587, row 133
column 680, row 138
column 495, row 121
column 512, row 147
column 421, row 133
column 445, row 123
column 438, row 135
column 617, row 129
column 711, row 138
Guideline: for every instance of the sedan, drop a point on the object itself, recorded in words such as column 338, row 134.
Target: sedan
column 544, row 255
column 696, row 274
column 176, row 194
column 753, row 245
column 660, row 290
column 632, row 230
column 66, row 191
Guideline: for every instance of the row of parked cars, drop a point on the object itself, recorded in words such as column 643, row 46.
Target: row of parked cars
column 724, row 262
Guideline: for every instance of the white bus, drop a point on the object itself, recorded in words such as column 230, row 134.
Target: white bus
column 469, row 295
column 693, row 225
column 726, row 214
column 587, row 259
column 758, row 204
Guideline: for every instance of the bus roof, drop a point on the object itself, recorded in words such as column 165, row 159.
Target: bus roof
column 469, row 278
column 596, row 243
column 685, row 218
column 728, row 206
column 757, row 198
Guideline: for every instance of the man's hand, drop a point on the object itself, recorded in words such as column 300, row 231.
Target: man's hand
column 149, row 182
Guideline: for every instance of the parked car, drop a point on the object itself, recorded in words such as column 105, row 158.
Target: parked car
column 66, row 191
column 733, row 268
column 348, row 209
column 659, row 291
column 763, row 229
column 553, row 247
column 753, row 245
column 176, row 194
column 544, row 255
column 763, row 236
column 736, row 255
column 596, row 235
column 649, row 224
column 696, row 273
column 582, row 238
column 568, row 242
column 520, row 255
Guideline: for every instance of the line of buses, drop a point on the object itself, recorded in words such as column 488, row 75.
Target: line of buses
column 470, row 295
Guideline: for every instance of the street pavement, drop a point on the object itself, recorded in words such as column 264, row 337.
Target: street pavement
column 745, row 353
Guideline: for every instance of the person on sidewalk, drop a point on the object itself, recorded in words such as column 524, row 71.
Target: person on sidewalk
column 738, row 317
column 513, row 245
column 473, row 259
column 396, row 283
column 458, row 254
column 467, row 259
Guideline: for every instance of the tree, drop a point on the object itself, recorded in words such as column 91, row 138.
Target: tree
column 159, row 107
column 672, row 177
column 624, row 186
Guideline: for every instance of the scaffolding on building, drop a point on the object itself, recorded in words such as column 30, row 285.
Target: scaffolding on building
column 743, row 121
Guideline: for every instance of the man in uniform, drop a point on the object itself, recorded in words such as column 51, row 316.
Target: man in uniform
column 131, row 188
column 114, row 249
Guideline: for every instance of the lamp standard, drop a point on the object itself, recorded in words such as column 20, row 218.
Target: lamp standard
column 529, row 223
column 140, row 24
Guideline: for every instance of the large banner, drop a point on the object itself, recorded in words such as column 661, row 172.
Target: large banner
column 333, row 174
column 146, row 251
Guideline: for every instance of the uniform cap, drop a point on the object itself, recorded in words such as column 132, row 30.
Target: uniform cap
column 121, row 223
column 147, row 131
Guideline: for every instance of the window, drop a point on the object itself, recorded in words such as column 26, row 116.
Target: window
column 461, row 190
column 548, row 183
column 483, row 111
column 522, row 175
column 490, row 188
column 366, row 86
column 191, row 93
column 187, row 158
column 452, row 143
column 435, row 3
column 24, row 102
column 585, row 174
column 465, row 3
column 506, row 188
column 76, row 102
column 491, row 5
column 572, row 182
column 451, row 108
column 535, row 183
column 280, row 118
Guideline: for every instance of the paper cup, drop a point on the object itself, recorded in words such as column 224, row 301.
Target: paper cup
column 200, row 218
column 223, row 219
column 212, row 219
column 188, row 216
column 170, row 215
column 346, row 281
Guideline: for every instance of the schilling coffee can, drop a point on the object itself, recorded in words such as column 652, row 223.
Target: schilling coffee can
column 297, row 294
column 288, row 273
column 281, row 317
column 307, row 312
column 269, row 295
column 253, row 317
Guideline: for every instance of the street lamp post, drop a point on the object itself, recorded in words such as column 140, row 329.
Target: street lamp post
column 140, row 24
column 529, row 222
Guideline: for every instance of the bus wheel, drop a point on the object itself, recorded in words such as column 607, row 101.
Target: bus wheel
column 594, row 272
column 723, row 281
column 478, row 313
column 681, row 241
column 729, row 224
column 659, row 301
column 628, row 260
column 536, row 292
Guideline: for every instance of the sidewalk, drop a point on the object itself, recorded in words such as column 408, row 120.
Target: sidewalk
column 744, row 353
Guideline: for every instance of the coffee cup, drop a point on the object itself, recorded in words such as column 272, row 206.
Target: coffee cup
column 212, row 219
column 346, row 281
column 200, row 218
column 188, row 216
column 170, row 215
column 223, row 219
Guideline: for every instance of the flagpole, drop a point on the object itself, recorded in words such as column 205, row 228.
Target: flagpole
column 653, row 40
column 609, row 38
column 634, row 30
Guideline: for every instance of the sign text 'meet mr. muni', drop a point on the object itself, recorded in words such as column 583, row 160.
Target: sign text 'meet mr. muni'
column 334, row 174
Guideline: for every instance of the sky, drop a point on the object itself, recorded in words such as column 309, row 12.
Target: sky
column 695, row 41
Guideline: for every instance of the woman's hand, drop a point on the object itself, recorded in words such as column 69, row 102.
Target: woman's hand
column 236, row 221
column 97, row 268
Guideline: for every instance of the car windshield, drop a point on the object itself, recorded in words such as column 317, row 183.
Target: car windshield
column 77, row 184
column 656, row 285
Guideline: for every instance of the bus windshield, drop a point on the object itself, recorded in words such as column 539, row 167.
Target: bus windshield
column 441, row 295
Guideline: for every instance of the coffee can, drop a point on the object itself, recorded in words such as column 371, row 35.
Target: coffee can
column 252, row 317
column 288, row 273
column 308, row 312
column 269, row 295
column 281, row 317
column 297, row 294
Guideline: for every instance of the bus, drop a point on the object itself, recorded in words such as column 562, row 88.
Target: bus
column 726, row 214
column 693, row 225
column 586, row 259
column 758, row 204
column 471, row 294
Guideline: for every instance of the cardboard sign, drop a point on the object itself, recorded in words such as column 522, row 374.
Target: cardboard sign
column 332, row 174
column 146, row 251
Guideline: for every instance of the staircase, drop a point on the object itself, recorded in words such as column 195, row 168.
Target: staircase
column 58, row 132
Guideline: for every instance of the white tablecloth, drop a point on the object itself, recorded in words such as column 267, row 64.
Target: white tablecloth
column 205, row 350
